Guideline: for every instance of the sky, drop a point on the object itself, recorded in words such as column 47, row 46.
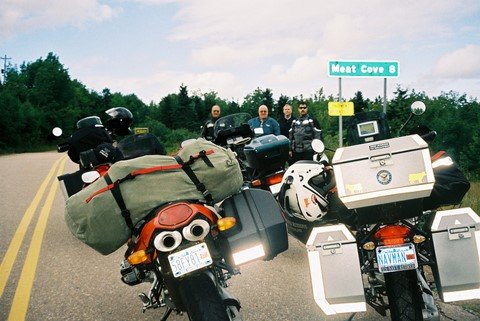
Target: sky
column 151, row 47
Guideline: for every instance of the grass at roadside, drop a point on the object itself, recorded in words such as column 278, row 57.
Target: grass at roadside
column 472, row 199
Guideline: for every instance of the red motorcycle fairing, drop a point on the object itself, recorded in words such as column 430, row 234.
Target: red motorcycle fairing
column 170, row 218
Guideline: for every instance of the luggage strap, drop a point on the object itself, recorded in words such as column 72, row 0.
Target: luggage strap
column 188, row 170
column 202, row 154
column 117, row 195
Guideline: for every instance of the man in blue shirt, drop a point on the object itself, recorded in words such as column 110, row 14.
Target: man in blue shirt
column 268, row 124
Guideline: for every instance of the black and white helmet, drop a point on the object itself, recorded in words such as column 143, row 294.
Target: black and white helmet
column 303, row 196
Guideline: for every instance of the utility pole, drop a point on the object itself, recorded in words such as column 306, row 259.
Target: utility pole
column 4, row 69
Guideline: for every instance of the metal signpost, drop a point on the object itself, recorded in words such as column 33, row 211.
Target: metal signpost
column 362, row 69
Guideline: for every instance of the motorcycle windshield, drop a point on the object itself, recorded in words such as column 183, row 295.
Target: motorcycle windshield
column 231, row 125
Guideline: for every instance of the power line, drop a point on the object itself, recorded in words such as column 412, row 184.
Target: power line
column 4, row 70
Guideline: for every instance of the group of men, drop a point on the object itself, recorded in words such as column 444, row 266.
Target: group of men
column 301, row 131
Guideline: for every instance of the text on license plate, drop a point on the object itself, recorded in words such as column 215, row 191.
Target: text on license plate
column 396, row 258
column 189, row 259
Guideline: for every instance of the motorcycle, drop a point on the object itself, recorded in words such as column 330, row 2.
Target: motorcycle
column 370, row 223
column 188, row 250
column 262, row 157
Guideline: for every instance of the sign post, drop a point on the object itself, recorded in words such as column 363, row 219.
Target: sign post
column 362, row 69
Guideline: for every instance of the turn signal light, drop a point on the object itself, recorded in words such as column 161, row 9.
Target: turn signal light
column 226, row 223
column 256, row 183
column 274, row 179
column 419, row 239
column 138, row 257
column 369, row 246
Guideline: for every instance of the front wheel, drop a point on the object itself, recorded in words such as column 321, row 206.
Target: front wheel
column 404, row 296
column 201, row 299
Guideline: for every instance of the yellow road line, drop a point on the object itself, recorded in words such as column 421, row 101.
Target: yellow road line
column 19, row 308
column 11, row 254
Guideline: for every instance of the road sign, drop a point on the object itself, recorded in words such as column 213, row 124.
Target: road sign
column 340, row 108
column 141, row 130
column 365, row 69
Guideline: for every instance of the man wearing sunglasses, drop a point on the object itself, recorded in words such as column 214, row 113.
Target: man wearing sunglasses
column 304, row 129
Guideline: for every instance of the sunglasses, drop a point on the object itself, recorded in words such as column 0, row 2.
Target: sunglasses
column 302, row 107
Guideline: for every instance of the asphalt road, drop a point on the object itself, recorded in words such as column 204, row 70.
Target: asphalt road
column 46, row 274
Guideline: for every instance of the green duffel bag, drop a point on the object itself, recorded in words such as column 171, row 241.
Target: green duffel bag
column 103, row 214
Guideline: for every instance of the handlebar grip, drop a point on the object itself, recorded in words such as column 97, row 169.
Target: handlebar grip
column 430, row 136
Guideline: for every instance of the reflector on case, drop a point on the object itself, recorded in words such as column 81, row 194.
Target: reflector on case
column 249, row 254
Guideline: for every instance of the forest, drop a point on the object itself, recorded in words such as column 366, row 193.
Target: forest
column 40, row 95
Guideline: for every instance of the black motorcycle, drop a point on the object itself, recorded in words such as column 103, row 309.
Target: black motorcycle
column 261, row 157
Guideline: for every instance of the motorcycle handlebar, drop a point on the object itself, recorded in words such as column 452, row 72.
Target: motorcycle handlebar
column 430, row 136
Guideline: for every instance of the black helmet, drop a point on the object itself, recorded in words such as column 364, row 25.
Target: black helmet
column 90, row 121
column 120, row 120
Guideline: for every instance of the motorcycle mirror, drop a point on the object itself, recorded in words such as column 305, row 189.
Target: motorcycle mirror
column 418, row 107
column 318, row 146
column 57, row 132
column 90, row 177
column 187, row 142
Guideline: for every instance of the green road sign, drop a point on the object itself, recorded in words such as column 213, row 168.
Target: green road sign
column 366, row 69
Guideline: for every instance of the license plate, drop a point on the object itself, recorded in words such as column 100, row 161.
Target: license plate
column 396, row 258
column 190, row 259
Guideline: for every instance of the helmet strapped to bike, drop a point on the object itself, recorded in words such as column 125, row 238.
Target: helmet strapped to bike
column 120, row 121
column 305, row 194
column 90, row 121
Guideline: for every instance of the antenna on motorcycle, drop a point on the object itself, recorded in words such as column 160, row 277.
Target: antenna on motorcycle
column 417, row 108
column 57, row 132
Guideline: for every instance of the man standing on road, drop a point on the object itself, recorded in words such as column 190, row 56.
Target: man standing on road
column 303, row 131
column 285, row 121
column 207, row 129
column 268, row 124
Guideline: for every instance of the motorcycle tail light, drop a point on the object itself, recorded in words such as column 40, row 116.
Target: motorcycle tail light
column 138, row 257
column 226, row 223
column 275, row 179
column 392, row 234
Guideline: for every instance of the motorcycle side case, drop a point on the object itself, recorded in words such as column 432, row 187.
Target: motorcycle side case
column 456, row 242
column 382, row 172
column 335, row 270
column 267, row 152
column 259, row 224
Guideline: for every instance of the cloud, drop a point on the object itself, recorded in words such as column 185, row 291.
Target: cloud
column 461, row 63
column 264, row 29
column 156, row 86
column 18, row 17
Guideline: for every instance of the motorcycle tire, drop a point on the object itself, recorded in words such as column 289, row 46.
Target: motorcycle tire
column 201, row 299
column 404, row 296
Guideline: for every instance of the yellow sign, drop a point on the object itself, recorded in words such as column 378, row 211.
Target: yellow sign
column 141, row 130
column 340, row 108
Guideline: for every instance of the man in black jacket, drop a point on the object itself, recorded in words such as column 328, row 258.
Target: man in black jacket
column 304, row 130
column 285, row 121
column 207, row 128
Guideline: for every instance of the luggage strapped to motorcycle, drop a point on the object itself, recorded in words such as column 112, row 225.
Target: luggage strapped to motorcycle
column 114, row 187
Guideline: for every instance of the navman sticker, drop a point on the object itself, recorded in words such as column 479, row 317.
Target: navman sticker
column 417, row 178
column 384, row 177
column 354, row 188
